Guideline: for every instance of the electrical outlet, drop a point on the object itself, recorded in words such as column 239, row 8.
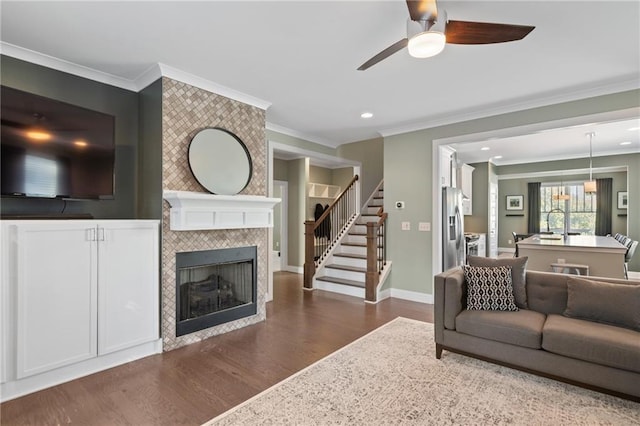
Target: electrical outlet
column 560, row 260
column 406, row 226
column 424, row 226
column 509, row 241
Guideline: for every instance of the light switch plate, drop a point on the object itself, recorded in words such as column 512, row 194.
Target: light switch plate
column 424, row 226
column 406, row 226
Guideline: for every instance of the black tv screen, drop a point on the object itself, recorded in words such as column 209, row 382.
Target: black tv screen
column 53, row 149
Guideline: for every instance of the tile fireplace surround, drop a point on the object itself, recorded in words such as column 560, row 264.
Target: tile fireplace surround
column 186, row 110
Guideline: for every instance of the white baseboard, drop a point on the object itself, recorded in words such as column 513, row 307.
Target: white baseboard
column 19, row 387
column 413, row 296
column 294, row 269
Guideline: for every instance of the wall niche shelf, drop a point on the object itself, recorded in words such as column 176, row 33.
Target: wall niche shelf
column 320, row 190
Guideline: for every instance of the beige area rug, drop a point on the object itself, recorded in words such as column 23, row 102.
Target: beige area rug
column 391, row 376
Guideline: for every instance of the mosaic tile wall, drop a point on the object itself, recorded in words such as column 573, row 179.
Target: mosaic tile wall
column 185, row 111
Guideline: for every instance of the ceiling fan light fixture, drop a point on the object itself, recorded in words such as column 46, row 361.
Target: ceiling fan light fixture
column 426, row 44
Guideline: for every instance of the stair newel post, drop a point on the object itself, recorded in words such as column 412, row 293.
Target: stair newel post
column 309, row 253
column 372, row 277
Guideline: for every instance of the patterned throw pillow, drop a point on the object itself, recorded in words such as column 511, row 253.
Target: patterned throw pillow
column 489, row 288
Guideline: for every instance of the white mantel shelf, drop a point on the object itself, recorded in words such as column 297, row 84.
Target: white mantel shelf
column 192, row 211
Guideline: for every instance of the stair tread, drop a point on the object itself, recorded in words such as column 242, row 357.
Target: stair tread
column 356, row 244
column 346, row 268
column 353, row 256
column 341, row 281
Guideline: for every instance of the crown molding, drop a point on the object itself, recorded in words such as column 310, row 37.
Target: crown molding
column 153, row 73
column 194, row 80
column 65, row 66
column 300, row 135
column 630, row 83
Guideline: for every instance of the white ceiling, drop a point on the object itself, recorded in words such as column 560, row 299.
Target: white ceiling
column 301, row 58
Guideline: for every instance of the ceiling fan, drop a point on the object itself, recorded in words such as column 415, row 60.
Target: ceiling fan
column 428, row 31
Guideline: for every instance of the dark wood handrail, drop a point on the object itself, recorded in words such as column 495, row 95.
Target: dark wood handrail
column 329, row 227
column 331, row 206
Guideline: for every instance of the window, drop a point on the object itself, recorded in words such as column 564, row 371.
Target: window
column 579, row 209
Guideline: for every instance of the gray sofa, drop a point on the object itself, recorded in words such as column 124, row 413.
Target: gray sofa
column 559, row 331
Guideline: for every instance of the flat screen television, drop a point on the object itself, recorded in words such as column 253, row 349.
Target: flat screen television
column 52, row 149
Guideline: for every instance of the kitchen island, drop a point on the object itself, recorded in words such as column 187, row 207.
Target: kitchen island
column 603, row 255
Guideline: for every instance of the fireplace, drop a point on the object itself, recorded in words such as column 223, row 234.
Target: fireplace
column 214, row 287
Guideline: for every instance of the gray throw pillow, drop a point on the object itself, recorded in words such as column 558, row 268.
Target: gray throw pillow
column 518, row 274
column 489, row 288
column 615, row 304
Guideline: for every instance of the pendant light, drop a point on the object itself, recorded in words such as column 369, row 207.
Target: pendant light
column 590, row 185
column 561, row 196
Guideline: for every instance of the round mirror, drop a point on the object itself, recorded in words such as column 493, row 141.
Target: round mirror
column 219, row 161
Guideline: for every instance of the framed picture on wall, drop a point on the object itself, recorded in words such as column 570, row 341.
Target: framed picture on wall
column 515, row 202
column 622, row 200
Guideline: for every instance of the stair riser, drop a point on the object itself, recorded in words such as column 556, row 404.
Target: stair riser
column 348, row 261
column 359, row 239
column 338, row 288
column 371, row 210
column 352, row 249
column 363, row 220
column 347, row 275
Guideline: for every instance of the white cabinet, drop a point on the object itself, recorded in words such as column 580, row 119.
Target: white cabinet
column 56, row 284
column 446, row 178
column 321, row 190
column 465, row 180
column 78, row 296
column 128, row 285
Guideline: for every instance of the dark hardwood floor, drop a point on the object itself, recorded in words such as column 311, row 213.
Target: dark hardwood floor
column 193, row 384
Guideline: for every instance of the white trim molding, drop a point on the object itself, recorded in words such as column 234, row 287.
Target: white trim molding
column 192, row 211
column 65, row 66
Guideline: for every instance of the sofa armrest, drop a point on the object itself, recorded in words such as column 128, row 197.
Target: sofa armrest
column 448, row 300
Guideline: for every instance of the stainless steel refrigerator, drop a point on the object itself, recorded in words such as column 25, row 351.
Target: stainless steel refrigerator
column 453, row 250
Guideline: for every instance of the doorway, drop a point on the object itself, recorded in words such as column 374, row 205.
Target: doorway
column 279, row 245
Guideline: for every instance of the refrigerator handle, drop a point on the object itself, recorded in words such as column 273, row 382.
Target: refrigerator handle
column 458, row 227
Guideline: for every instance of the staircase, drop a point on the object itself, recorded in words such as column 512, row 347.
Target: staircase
column 345, row 269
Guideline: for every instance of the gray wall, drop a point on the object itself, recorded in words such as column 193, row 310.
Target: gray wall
column 370, row 153
column 150, row 152
column 478, row 221
column 120, row 103
column 408, row 176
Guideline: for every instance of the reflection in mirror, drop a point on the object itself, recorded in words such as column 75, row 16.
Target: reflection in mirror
column 220, row 161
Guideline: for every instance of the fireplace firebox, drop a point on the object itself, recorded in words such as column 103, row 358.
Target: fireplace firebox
column 214, row 287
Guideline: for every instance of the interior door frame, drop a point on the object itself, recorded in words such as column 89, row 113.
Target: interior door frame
column 500, row 133
column 284, row 221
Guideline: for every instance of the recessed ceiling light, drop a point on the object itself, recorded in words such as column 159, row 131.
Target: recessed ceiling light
column 634, row 129
column 625, row 143
column 366, row 115
column 497, row 157
column 485, row 148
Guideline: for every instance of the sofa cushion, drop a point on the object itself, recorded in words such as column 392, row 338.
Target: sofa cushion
column 489, row 288
column 518, row 274
column 593, row 342
column 604, row 302
column 521, row 328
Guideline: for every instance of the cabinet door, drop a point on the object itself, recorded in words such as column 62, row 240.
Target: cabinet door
column 56, row 296
column 128, row 284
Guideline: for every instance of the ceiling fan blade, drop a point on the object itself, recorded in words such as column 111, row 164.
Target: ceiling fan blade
column 465, row 32
column 422, row 10
column 384, row 54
